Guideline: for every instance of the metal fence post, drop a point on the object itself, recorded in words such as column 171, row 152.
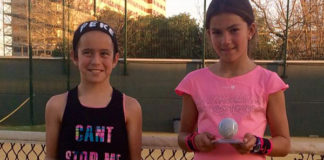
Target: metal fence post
column 286, row 42
column 125, row 42
column 68, row 48
column 204, row 35
column 65, row 68
column 30, row 53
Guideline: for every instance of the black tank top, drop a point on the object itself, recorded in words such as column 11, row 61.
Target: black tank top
column 93, row 133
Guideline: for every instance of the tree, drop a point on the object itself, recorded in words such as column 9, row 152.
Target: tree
column 157, row 36
column 305, row 19
column 116, row 21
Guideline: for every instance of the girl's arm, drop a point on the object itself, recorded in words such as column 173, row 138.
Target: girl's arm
column 277, row 120
column 53, row 117
column 278, row 123
column 133, row 114
column 189, row 117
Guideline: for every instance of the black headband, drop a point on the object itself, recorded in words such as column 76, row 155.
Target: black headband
column 94, row 26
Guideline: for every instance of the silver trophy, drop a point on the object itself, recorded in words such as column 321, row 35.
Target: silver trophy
column 228, row 129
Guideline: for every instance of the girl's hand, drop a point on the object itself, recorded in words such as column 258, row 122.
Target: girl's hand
column 247, row 145
column 204, row 142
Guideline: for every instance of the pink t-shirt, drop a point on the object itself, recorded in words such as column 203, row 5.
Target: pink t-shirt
column 243, row 98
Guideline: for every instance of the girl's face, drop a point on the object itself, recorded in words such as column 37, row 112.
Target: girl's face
column 229, row 35
column 95, row 57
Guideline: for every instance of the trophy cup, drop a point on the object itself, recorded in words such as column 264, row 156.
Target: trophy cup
column 228, row 128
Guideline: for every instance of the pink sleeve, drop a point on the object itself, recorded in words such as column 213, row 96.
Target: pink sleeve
column 184, row 87
column 276, row 84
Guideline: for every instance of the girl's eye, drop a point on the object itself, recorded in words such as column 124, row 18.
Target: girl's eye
column 105, row 53
column 86, row 53
column 216, row 32
column 234, row 30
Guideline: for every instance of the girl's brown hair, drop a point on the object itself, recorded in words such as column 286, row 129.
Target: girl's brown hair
column 241, row 8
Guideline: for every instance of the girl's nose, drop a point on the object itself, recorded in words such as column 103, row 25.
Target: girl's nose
column 95, row 58
column 226, row 39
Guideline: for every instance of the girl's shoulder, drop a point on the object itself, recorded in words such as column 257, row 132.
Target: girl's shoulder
column 265, row 73
column 57, row 100
column 271, row 80
column 198, row 72
column 131, row 103
column 132, row 108
column 56, row 105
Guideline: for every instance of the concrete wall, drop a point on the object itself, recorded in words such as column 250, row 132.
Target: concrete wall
column 153, row 83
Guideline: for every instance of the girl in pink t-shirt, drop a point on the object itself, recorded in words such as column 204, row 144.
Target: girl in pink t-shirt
column 234, row 88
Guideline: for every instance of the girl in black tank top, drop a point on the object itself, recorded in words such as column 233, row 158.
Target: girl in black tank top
column 93, row 132
column 93, row 121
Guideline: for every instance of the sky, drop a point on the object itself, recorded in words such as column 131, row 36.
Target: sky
column 194, row 7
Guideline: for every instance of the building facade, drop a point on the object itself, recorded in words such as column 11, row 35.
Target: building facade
column 47, row 21
column 135, row 7
column 1, row 29
column 5, row 28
